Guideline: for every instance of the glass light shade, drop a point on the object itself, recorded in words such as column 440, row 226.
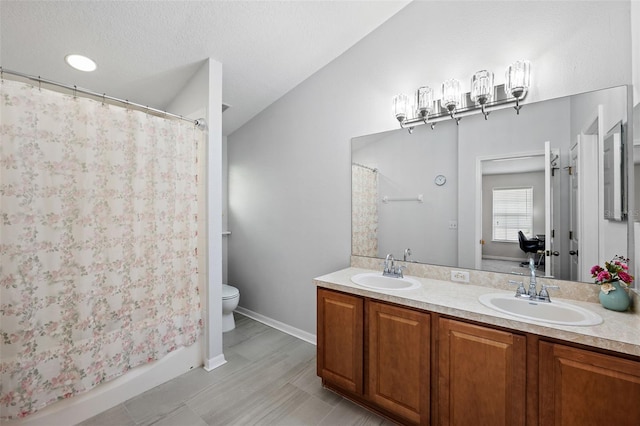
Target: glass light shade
column 451, row 94
column 424, row 101
column 400, row 106
column 517, row 79
column 482, row 87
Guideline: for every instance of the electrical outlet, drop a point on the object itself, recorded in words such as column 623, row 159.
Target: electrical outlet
column 460, row 276
column 453, row 224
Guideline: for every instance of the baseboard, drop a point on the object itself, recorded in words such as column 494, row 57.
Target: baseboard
column 285, row 328
column 215, row 362
column 510, row 259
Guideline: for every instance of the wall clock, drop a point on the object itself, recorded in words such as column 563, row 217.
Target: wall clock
column 440, row 180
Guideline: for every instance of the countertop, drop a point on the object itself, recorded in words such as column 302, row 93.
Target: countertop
column 619, row 332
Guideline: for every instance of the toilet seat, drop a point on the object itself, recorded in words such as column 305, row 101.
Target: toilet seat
column 229, row 292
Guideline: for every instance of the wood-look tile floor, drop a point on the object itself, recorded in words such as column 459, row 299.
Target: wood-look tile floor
column 269, row 379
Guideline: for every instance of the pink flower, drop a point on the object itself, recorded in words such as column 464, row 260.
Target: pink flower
column 622, row 265
column 603, row 276
column 595, row 269
column 625, row 277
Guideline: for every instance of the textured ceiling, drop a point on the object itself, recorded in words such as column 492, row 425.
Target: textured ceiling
column 147, row 50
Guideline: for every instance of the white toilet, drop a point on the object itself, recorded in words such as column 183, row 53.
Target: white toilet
column 230, row 299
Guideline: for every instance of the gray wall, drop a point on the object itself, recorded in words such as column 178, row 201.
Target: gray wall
column 289, row 167
column 407, row 165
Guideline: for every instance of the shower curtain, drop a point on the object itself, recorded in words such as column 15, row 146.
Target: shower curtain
column 98, row 243
column 364, row 215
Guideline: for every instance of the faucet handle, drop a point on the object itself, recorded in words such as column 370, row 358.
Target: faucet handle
column 520, row 291
column 399, row 270
column 544, row 294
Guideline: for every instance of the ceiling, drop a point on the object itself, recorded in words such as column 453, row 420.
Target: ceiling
column 147, row 51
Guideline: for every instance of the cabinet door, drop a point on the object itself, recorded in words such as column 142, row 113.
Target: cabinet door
column 481, row 375
column 579, row 387
column 340, row 339
column 399, row 355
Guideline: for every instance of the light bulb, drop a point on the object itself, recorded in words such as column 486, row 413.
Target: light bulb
column 400, row 107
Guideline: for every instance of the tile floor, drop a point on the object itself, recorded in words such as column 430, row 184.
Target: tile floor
column 269, row 379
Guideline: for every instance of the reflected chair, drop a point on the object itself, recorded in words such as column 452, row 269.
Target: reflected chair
column 531, row 247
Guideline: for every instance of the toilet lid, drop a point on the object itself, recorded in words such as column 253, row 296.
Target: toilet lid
column 229, row 292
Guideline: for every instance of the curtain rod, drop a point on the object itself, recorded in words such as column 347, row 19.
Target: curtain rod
column 375, row 170
column 199, row 123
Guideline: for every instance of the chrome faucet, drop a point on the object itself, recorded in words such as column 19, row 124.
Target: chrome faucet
column 390, row 270
column 388, row 265
column 520, row 291
column 543, row 296
column 532, row 293
column 407, row 253
column 533, row 285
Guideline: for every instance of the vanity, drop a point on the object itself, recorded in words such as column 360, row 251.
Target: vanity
column 436, row 355
column 458, row 347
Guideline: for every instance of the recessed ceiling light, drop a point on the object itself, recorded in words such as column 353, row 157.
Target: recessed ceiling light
column 80, row 62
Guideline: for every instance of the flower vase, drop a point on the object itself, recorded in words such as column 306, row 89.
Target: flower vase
column 615, row 300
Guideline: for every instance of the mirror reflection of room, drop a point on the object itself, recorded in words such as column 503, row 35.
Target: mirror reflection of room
column 552, row 152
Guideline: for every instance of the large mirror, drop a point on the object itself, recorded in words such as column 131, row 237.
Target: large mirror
column 465, row 195
column 634, row 210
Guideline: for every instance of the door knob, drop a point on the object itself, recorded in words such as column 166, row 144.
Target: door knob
column 573, row 252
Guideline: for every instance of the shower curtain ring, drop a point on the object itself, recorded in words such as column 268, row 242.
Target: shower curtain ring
column 75, row 91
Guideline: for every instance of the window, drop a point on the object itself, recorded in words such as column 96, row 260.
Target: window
column 512, row 212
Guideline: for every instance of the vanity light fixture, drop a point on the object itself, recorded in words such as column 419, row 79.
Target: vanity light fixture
column 424, row 102
column 482, row 89
column 451, row 96
column 455, row 104
column 517, row 81
column 80, row 62
column 401, row 107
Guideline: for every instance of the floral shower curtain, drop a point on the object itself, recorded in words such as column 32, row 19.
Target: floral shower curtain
column 98, row 243
column 364, row 216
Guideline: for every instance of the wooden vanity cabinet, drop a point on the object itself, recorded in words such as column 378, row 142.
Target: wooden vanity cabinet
column 340, row 340
column 581, row 387
column 399, row 353
column 481, row 375
column 392, row 374
column 417, row 367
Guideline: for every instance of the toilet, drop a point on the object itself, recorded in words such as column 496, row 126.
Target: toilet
column 230, row 299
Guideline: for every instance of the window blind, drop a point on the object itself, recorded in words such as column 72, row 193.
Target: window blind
column 512, row 212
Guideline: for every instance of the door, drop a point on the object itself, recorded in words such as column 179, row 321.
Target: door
column 340, row 340
column 612, row 173
column 482, row 376
column 588, row 206
column 399, row 355
column 574, row 235
column 551, row 159
column 584, row 388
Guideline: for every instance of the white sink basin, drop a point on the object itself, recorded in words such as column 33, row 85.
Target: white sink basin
column 380, row 282
column 554, row 312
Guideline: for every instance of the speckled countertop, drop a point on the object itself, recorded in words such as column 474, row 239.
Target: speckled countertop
column 620, row 331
